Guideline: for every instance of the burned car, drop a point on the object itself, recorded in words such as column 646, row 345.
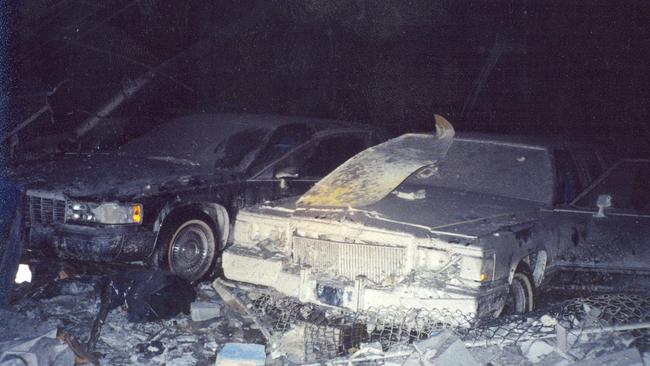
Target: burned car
column 169, row 196
column 476, row 225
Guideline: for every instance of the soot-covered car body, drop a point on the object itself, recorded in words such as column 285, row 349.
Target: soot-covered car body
column 169, row 196
column 477, row 231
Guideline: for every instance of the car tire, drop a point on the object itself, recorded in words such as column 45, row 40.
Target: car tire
column 191, row 250
column 520, row 297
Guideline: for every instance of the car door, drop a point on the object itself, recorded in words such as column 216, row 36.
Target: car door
column 298, row 170
column 610, row 246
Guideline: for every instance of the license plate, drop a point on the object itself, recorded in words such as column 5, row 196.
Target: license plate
column 332, row 295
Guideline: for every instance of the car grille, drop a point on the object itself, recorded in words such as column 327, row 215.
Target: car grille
column 376, row 262
column 44, row 209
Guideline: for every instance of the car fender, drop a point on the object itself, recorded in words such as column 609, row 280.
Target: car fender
column 216, row 211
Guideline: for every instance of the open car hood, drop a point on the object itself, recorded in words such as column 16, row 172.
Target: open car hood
column 375, row 172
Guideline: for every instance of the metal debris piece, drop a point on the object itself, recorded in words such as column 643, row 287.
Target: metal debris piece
column 201, row 311
column 232, row 301
column 372, row 174
column 82, row 355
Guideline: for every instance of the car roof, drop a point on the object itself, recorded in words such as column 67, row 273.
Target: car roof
column 540, row 142
column 268, row 120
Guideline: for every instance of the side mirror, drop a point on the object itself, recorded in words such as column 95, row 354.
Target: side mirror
column 604, row 201
column 287, row 173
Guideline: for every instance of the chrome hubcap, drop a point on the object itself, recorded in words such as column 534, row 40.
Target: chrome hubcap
column 192, row 251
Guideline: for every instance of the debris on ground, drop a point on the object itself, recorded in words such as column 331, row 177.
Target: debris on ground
column 146, row 295
column 628, row 357
column 443, row 348
column 241, row 354
column 43, row 350
column 221, row 322
column 71, row 304
column 202, row 310
column 593, row 326
column 290, row 345
column 82, row 355
column 149, row 295
column 235, row 303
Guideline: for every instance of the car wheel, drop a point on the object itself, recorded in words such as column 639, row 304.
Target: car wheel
column 192, row 250
column 520, row 294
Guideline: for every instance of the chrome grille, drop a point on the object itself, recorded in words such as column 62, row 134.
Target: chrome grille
column 44, row 209
column 350, row 260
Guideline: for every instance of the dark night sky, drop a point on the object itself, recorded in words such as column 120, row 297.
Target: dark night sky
column 537, row 67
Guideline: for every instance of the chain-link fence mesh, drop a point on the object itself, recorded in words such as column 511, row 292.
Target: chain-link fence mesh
column 332, row 333
column 580, row 316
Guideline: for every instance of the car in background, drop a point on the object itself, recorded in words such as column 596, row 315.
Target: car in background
column 169, row 196
column 477, row 229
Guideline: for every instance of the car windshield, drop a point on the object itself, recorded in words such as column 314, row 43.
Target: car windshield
column 494, row 168
column 204, row 139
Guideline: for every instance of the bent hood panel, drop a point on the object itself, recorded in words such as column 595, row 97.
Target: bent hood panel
column 372, row 174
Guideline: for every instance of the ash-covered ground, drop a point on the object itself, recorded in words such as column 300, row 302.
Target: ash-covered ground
column 70, row 303
column 597, row 329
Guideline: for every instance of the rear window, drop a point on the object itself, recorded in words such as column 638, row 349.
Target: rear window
column 626, row 183
column 494, row 168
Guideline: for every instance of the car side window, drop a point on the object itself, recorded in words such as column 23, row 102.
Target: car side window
column 628, row 184
column 319, row 158
column 231, row 152
column 330, row 152
column 284, row 139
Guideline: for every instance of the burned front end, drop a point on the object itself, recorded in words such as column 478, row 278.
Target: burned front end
column 349, row 265
column 84, row 230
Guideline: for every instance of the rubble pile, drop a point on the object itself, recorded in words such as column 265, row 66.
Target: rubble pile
column 68, row 308
column 232, row 326
column 586, row 330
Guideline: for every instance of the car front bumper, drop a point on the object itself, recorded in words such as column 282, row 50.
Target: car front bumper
column 250, row 265
column 95, row 243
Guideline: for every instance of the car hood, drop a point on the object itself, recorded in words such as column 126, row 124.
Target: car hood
column 107, row 175
column 443, row 211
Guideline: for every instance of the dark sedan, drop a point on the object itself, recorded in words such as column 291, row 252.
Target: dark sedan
column 169, row 196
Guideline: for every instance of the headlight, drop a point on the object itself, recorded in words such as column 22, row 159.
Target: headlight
column 251, row 233
column 432, row 259
column 478, row 268
column 105, row 213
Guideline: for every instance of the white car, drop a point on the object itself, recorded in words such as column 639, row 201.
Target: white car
column 420, row 222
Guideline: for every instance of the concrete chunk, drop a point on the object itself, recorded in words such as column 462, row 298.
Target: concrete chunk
column 536, row 350
column 441, row 349
column 456, row 354
column 201, row 310
column 241, row 354
column 628, row 357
